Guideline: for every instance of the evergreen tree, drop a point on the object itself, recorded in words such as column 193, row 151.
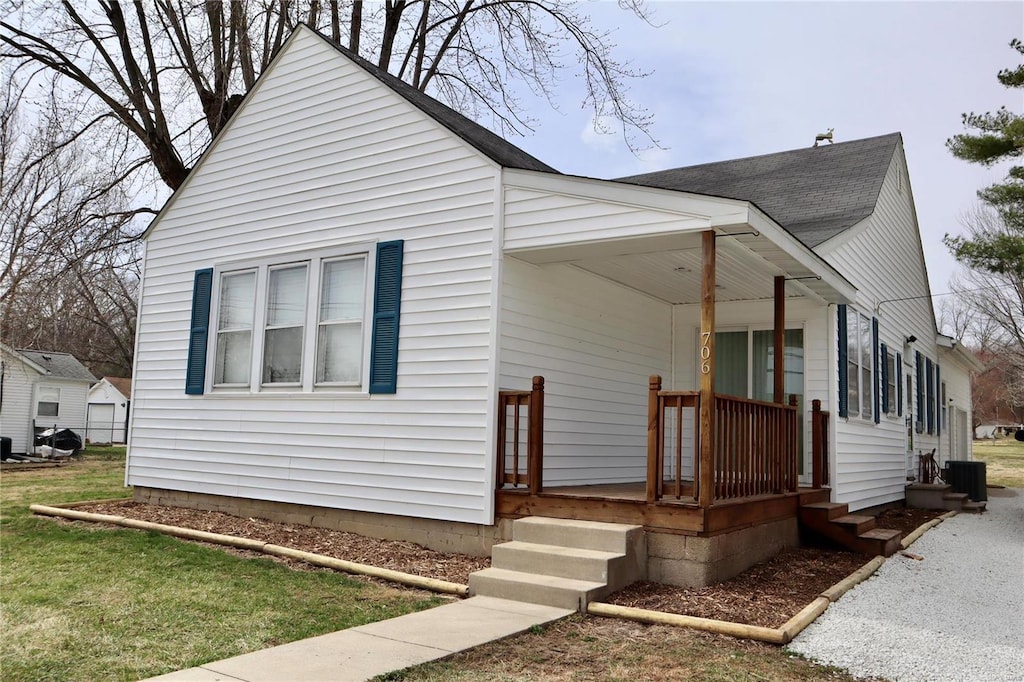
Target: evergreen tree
column 1000, row 137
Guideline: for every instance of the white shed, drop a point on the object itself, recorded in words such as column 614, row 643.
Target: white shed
column 109, row 402
column 41, row 389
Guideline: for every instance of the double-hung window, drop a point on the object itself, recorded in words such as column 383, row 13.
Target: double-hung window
column 324, row 320
column 48, row 404
column 234, row 328
column 293, row 325
column 859, row 368
column 340, row 321
column 287, row 294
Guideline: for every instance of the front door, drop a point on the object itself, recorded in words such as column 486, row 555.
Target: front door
column 745, row 367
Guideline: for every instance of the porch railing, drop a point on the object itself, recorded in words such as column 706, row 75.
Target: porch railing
column 820, row 476
column 521, row 438
column 755, row 446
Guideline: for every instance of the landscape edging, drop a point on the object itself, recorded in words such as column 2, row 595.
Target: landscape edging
column 781, row 635
column 442, row 586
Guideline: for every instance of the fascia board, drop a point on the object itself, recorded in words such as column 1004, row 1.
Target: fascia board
column 715, row 209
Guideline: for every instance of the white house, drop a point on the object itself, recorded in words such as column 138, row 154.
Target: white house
column 109, row 404
column 345, row 306
column 41, row 389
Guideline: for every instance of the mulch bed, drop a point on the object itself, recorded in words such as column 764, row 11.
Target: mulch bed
column 767, row 594
column 394, row 554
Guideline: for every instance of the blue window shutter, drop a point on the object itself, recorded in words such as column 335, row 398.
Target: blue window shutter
column 899, row 384
column 195, row 372
column 938, row 401
column 874, row 371
column 930, row 394
column 844, row 379
column 920, row 392
column 387, row 300
column 887, row 399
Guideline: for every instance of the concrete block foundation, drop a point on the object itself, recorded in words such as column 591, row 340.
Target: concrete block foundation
column 684, row 560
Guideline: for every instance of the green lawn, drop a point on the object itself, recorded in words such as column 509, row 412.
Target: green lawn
column 82, row 602
column 1004, row 461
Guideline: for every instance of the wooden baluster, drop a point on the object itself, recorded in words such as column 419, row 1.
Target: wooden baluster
column 502, row 427
column 816, row 444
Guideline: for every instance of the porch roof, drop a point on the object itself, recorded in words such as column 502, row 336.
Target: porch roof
column 658, row 251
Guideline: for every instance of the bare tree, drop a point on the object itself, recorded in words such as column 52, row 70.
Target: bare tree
column 988, row 314
column 171, row 73
column 66, row 236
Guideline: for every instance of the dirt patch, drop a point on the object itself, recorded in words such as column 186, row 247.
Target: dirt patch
column 767, row 594
column 906, row 520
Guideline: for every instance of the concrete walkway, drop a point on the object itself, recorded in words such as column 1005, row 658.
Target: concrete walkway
column 363, row 652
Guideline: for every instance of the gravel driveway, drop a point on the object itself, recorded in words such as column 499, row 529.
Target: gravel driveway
column 957, row 614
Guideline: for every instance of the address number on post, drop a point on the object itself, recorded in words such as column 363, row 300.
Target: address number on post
column 705, row 352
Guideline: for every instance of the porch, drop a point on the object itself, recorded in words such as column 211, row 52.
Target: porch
column 740, row 473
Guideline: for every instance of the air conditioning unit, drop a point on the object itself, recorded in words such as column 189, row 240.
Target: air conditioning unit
column 967, row 477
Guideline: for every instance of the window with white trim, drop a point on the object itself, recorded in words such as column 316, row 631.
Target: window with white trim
column 48, row 401
column 297, row 324
column 858, row 364
column 892, row 381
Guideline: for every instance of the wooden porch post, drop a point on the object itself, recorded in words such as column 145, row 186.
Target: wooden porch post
column 779, row 369
column 706, row 478
column 535, row 438
column 654, row 467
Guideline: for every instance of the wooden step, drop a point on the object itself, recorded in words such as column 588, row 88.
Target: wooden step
column 884, row 541
column 830, row 510
column 856, row 532
column 855, row 523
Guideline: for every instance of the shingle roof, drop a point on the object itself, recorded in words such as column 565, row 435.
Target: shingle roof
column 60, row 365
column 815, row 193
column 493, row 146
column 122, row 384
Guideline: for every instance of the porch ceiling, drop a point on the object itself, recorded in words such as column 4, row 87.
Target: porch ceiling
column 746, row 265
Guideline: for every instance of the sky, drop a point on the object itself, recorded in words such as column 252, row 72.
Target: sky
column 736, row 79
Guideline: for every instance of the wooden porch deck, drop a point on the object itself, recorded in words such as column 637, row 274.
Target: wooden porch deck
column 627, row 503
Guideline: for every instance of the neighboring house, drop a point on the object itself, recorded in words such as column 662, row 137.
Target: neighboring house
column 109, row 404
column 42, row 389
column 345, row 305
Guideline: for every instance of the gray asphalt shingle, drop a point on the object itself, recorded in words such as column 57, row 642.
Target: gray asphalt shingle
column 61, row 365
column 815, row 193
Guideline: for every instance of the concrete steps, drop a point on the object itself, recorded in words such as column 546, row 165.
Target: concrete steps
column 854, row 531
column 940, row 496
column 562, row 562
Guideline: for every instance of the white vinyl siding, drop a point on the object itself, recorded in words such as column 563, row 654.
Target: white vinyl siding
column 18, row 407
column 595, row 343
column 323, row 156
column 73, row 409
column 883, row 258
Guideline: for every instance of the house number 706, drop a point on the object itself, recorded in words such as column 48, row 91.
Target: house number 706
column 705, row 352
